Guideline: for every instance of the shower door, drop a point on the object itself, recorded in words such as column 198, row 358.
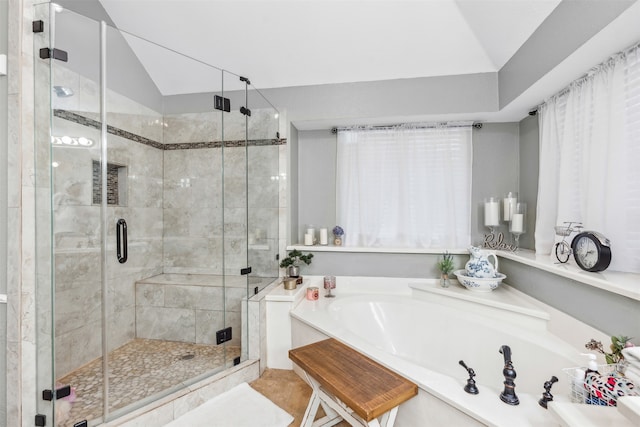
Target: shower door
column 130, row 264
column 264, row 186
column 251, row 206
column 68, row 262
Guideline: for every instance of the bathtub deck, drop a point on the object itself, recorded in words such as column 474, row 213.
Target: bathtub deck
column 366, row 387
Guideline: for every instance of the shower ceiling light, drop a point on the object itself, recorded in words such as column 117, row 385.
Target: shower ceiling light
column 62, row 92
column 72, row 141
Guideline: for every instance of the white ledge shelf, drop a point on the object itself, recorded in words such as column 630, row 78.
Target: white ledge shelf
column 626, row 284
column 357, row 249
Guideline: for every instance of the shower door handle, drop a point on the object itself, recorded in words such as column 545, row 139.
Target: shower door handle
column 121, row 240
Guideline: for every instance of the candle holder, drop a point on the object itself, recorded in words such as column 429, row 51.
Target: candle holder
column 509, row 203
column 518, row 224
column 324, row 237
column 329, row 283
column 310, row 235
column 492, row 213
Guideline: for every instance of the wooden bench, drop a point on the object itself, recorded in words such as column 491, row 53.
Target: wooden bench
column 350, row 386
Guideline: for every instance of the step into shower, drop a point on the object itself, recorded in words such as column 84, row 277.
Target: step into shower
column 189, row 307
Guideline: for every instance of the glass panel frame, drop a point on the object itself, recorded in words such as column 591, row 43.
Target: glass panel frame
column 44, row 330
column 76, row 216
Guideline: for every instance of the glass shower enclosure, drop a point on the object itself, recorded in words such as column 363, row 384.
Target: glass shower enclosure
column 156, row 191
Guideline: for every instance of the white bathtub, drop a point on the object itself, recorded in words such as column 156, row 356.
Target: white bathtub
column 421, row 331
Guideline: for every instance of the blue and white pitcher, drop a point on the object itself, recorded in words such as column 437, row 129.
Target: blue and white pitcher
column 479, row 265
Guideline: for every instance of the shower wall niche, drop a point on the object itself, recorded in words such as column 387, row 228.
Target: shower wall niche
column 197, row 190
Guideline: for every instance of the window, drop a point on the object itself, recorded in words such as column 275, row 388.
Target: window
column 405, row 186
column 589, row 157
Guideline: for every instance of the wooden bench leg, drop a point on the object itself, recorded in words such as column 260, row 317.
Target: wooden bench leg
column 312, row 409
column 389, row 418
column 337, row 411
column 331, row 418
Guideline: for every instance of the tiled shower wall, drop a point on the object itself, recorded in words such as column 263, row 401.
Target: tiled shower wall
column 77, row 227
column 171, row 200
column 193, row 206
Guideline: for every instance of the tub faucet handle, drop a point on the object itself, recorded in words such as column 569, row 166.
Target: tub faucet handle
column 508, row 395
column 471, row 383
column 547, row 396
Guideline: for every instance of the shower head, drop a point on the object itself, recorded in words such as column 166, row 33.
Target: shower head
column 62, row 92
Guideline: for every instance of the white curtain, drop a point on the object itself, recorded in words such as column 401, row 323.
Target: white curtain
column 590, row 159
column 405, row 187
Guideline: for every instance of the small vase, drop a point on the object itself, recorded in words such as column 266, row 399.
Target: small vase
column 293, row 271
column 337, row 240
column 444, row 280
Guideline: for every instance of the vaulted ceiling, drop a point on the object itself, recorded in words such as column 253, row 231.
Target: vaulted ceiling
column 310, row 42
column 333, row 62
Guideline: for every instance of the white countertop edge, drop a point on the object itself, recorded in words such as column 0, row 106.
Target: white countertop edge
column 625, row 284
column 576, row 414
column 629, row 406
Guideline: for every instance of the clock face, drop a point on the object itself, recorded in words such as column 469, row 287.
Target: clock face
column 590, row 252
column 587, row 252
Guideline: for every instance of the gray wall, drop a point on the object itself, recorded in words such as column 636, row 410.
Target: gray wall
column 495, row 171
column 570, row 25
column 610, row 313
column 293, row 176
column 529, row 159
column 316, row 180
column 343, row 104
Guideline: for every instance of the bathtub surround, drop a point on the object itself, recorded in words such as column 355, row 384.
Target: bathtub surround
column 541, row 339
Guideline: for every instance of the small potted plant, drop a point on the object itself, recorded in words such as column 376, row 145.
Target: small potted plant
column 618, row 343
column 338, row 232
column 292, row 262
column 445, row 265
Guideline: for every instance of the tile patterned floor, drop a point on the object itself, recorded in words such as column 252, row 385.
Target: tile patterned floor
column 139, row 369
column 287, row 390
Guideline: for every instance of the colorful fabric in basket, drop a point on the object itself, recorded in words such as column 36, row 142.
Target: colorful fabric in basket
column 605, row 390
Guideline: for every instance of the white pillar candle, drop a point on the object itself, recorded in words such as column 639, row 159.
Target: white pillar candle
column 308, row 239
column 517, row 223
column 312, row 232
column 509, row 206
column 492, row 212
column 324, row 236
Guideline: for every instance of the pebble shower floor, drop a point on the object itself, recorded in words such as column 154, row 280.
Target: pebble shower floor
column 139, row 369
